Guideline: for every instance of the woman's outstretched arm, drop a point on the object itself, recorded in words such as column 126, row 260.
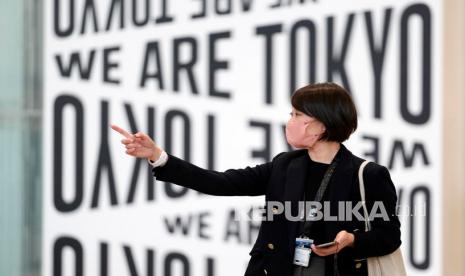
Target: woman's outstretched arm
column 248, row 181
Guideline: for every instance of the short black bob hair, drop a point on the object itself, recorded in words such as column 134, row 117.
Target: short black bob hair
column 330, row 104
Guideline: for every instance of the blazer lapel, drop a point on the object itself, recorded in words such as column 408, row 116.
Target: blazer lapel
column 294, row 188
column 340, row 183
column 296, row 175
column 340, row 188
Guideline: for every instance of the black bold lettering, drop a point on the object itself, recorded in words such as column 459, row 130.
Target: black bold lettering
column 180, row 223
column 215, row 64
column 265, row 152
column 203, row 10
column 211, row 142
column 377, row 53
column 210, row 267
column 425, row 263
column 61, row 31
column 246, row 5
column 89, row 6
column 269, row 31
column 150, row 262
column 75, row 61
column 233, row 227
column 152, row 53
column 104, row 162
column 309, row 27
column 176, row 258
column 103, row 259
column 225, row 9
column 188, row 65
column 203, row 225
column 114, row 5
column 132, row 264
column 109, row 65
column 418, row 149
column 130, row 261
column 58, row 247
column 60, row 103
column 146, row 8
column 336, row 62
column 421, row 11
column 164, row 17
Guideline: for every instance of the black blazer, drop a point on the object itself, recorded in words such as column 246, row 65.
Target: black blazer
column 283, row 179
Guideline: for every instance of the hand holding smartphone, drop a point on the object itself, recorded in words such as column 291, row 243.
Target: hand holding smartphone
column 324, row 245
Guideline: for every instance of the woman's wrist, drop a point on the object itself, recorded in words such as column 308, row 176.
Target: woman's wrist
column 156, row 154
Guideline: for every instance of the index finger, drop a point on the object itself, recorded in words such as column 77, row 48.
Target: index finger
column 121, row 131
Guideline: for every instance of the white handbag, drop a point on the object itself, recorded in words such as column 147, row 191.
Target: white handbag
column 388, row 265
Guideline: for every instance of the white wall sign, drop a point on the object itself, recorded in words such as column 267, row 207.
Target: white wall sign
column 210, row 80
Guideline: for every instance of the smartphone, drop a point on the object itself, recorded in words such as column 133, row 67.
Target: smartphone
column 323, row 245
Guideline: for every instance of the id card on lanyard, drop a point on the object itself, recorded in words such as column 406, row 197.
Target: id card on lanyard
column 302, row 251
column 303, row 243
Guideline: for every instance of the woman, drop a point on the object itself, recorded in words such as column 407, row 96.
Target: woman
column 323, row 170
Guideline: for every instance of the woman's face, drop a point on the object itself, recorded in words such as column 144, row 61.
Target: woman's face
column 303, row 131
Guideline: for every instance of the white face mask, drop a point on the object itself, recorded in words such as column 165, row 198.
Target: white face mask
column 303, row 131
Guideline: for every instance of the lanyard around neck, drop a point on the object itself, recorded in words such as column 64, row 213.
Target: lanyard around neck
column 307, row 224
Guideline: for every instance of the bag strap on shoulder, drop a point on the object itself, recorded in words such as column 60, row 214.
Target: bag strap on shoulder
column 362, row 194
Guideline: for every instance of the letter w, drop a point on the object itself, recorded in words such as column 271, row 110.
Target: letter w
column 179, row 223
column 75, row 61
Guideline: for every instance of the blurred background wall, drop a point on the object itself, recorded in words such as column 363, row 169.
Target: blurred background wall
column 453, row 247
column 20, row 136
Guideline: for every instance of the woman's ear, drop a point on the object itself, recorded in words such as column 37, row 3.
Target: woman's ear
column 323, row 131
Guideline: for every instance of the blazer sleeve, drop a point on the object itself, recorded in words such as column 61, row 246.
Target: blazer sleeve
column 384, row 237
column 251, row 181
